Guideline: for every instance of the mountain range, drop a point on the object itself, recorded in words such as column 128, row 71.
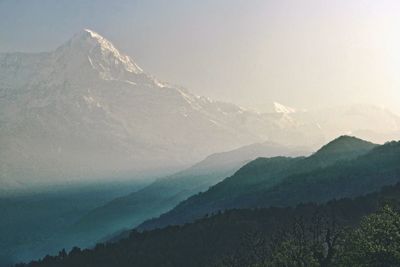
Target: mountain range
column 86, row 214
column 346, row 167
column 165, row 193
column 87, row 111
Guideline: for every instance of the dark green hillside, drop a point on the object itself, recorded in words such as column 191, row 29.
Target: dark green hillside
column 342, row 148
column 257, row 183
column 344, row 179
column 210, row 241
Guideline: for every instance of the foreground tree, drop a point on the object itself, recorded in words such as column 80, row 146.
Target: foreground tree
column 376, row 243
column 312, row 243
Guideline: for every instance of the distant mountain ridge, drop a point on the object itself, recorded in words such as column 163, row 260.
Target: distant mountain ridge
column 289, row 181
column 162, row 195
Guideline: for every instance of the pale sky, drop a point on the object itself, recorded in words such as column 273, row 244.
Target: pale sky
column 306, row 54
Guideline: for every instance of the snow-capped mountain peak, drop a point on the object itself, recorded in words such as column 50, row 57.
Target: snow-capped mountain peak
column 107, row 47
column 88, row 48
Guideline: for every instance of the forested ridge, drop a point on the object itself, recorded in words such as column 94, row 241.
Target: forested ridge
column 346, row 167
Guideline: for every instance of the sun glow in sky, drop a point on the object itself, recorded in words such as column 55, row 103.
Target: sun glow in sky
column 306, row 54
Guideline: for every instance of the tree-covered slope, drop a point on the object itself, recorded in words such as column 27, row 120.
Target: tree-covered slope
column 368, row 173
column 257, row 184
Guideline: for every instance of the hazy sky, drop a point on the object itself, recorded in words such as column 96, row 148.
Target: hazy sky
column 305, row 53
